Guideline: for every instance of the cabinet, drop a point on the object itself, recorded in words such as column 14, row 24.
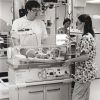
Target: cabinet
column 3, row 64
column 60, row 91
column 53, row 91
column 3, row 51
column 31, row 92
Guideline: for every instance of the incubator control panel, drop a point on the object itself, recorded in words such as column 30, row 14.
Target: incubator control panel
column 40, row 74
column 54, row 73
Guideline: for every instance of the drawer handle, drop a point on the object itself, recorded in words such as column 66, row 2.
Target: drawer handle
column 54, row 89
column 35, row 91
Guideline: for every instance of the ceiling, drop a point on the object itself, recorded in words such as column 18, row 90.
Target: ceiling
column 93, row 1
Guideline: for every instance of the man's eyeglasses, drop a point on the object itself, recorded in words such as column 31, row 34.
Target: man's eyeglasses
column 35, row 10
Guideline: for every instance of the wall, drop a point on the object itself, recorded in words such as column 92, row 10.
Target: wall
column 5, row 11
column 91, row 9
column 94, row 9
column 18, row 4
column 98, row 51
column 6, row 17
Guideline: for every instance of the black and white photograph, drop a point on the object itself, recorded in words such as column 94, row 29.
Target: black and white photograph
column 49, row 49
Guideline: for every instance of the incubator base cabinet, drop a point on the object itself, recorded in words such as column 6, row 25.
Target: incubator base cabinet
column 39, row 77
column 57, row 91
column 47, row 83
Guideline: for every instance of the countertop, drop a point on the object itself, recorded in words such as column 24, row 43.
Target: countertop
column 21, row 85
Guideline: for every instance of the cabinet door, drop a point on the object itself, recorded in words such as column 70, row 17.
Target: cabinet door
column 66, row 92
column 31, row 93
column 53, row 92
column 60, row 91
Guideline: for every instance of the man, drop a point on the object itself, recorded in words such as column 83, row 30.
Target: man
column 30, row 22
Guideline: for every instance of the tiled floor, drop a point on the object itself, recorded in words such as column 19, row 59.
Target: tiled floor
column 95, row 90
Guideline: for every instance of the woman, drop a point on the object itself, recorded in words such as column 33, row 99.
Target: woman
column 85, row 70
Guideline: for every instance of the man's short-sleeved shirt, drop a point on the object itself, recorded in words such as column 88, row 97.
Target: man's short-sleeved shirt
column 37, row 27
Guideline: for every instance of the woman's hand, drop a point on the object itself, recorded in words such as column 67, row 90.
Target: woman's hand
column 67, row 63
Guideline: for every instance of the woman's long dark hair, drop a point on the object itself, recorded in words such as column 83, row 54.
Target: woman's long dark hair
column 88, row 28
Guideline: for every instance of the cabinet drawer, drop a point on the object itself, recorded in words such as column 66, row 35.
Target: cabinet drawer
column 53, row 87
column 31, row 92
column 32, row 89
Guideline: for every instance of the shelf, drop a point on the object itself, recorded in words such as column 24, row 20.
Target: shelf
column 4, row 49
column 3, row 57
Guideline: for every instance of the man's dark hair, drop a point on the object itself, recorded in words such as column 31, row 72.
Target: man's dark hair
column 31, row 4
column 66, row 20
